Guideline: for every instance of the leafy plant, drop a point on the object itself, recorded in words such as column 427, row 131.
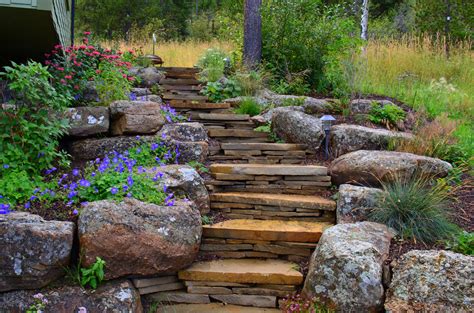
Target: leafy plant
column 198, row 166
column 212, row 64
column 31, row 128
column 93, row 275
column 415, row 207
column 292, row 85
column 267, row 128
column 462, row 242
column 388, row 115
column 171, row 115
column 111, row 84
column 217, row 91
column 248, row 106
column 206, row 220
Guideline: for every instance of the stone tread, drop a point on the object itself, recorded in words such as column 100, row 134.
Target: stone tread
column 263, row 146
column 267, row 230
column 224, row 117
column 243, row 133
column 213, row 308
column 245, row 271
column 269, row 169
column 279, row 200
column 199, row 106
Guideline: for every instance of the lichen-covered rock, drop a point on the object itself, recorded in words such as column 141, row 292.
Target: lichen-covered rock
column 298, row 127
column 140, row 92
column 33, row 251
column 345, row 271
column 347, row 138
column 137, row 238
column 370, row 167
column 321, row 106
column 237, row 100
column 88, row 121
column 148, row 76
column 113, row 297
column 267, row 116
column 355, row 202
column 135, row 117
column 184, row 132
column 189, row 150
column 432, row 281
column 363, row 106
column 183, row 180
column 90, row 149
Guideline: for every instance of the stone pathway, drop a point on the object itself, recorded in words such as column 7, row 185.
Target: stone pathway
column 273, row 204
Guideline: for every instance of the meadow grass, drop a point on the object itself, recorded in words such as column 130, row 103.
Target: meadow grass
column 415, row 70
column 174, row 53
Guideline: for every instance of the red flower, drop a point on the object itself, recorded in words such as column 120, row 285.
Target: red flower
column 68, row 77
column 87, row 33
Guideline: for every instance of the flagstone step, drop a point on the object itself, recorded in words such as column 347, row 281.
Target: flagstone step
column 183, row 96
column 198, row 105
column 213, row 308
column 276, row 200
column 223, row 117
column 245, row 271
column 180, row 81
column 181, row 87
column 281, row 231
column 233, row 132
column 260, row 146
column 269, row 169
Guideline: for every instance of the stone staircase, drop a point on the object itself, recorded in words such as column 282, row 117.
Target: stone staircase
column 272, row 210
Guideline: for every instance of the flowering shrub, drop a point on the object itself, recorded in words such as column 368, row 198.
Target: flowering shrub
column 171, row 115
column 73, row 67
column 299, row 304
column 39, row 305
column 134, row 173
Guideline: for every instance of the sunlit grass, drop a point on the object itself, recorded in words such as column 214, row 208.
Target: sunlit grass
column 174, row 53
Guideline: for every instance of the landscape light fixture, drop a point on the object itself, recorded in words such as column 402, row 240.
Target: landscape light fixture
column 226, row 65
column 327, row 122
column 154, row 43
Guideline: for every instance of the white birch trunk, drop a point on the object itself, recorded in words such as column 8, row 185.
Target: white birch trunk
column 364, row 21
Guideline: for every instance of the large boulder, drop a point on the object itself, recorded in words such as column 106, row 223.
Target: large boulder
column 90, row 149
column 116, row 297
column 321, row 106
column 190, row 139
column 88, row 121
column 298, row 127
column 267, row 116
column 371, row 167
column 135, row 117
column 137, row 238
column 363, row 106
column 432, row 281
column 347, row 138
column 355, row 202
column 147, row 76
column 346, row 269
column 183, row 180
column 33, row 251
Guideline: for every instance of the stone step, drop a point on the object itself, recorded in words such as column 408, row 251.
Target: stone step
column 179, row 81
column 245, row 271
column 198, row 106
column 173, row 69
column 182, row 87
column 266, row 146
column 223, row 117
column 241, row 133
column 182, row 96
column 213, row 308
column 269, row 169
column 276, row 200
column 267, row 230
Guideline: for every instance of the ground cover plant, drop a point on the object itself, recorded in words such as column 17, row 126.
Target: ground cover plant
column 248, row 106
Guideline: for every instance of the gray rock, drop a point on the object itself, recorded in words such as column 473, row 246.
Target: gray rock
column 135, row 117
column 90, row 149
column 298, row 127
column 432, row 281
column 184, row 132
column 345, row 271
column 268, row 115
column 347, row 138
column 89, row 94
column 184, row 181
column 286, row 100
column 148, row 76
column 139, row 92
column 114, row 297
column 355, row 202
column 88, row 121
column 34, row 252
column 154, row 98
column 363, row 106
column 370, row 167
column 321, row 106
column 189, row 150
column 237, row 100
column 137, row 238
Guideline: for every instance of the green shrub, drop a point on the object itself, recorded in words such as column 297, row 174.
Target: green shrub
column 111, row 84
column 297, row 85
column 267, row 128
column 388, row 115
column 212, row 64
column 248, row 106
column 30, row 131
column 93, row 275
column 251, row 82
column 463, row 242
column 417, row 208
column 216, row 91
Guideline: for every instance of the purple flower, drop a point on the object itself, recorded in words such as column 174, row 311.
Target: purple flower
column 84, row 183
column 75, row 172
column 4, row 208
column 129, row 195
column 72, row 194
column 84, row 203
column 41, row 154
column 73, row 186
column 27, row 205
column 163, row 135
column 154, row 146
column 93, row 174
column 165, row 188
column 6, row 166
column 133, row 96
column 139, row 150
column 113, row 190
column 130, row 181
column 137, row 137
column 32, row 198
column 75, row 212
column 125, row 187
column 168, row 118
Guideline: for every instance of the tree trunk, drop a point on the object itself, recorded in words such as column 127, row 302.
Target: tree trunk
column 364, row 21
column 252, row 33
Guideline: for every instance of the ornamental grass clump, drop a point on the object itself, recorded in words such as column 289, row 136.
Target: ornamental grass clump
column 248, row 106
column 417, row 208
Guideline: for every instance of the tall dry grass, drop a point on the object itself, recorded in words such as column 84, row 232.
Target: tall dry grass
column 174, row 53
